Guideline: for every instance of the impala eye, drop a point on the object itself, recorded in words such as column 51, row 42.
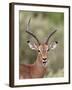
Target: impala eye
column 38, row 50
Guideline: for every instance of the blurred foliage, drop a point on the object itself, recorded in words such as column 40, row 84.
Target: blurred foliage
column 43, row 23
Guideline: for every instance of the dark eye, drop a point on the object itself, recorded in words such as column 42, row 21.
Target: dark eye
column 38, row 50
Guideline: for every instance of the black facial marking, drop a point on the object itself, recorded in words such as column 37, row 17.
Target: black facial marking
column 56, row 42
column 38, row 50
column 28, row 41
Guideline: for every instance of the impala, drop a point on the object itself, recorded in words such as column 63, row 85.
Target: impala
column 39, row 67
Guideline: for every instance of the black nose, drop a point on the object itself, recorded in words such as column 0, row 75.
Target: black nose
column 44, row 58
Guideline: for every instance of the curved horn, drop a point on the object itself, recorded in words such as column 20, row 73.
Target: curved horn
column 27, row 31
column 50, row 36
column 28, row 25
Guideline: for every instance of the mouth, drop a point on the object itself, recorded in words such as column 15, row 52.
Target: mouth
column 44, row 62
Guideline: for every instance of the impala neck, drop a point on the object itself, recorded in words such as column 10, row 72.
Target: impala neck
column 39, row 62
column 38, row 71
column 35, row 70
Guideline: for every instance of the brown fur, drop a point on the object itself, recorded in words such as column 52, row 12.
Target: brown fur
column 36, row 70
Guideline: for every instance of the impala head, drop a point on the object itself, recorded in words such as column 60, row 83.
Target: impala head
column 41, row 48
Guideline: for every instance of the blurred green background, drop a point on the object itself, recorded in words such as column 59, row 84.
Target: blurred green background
column 41, row 24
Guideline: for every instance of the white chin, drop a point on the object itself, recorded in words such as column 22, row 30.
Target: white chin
column 44, row 63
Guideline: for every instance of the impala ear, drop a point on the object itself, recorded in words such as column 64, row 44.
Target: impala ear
column 32, row 46
column 53, row 45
